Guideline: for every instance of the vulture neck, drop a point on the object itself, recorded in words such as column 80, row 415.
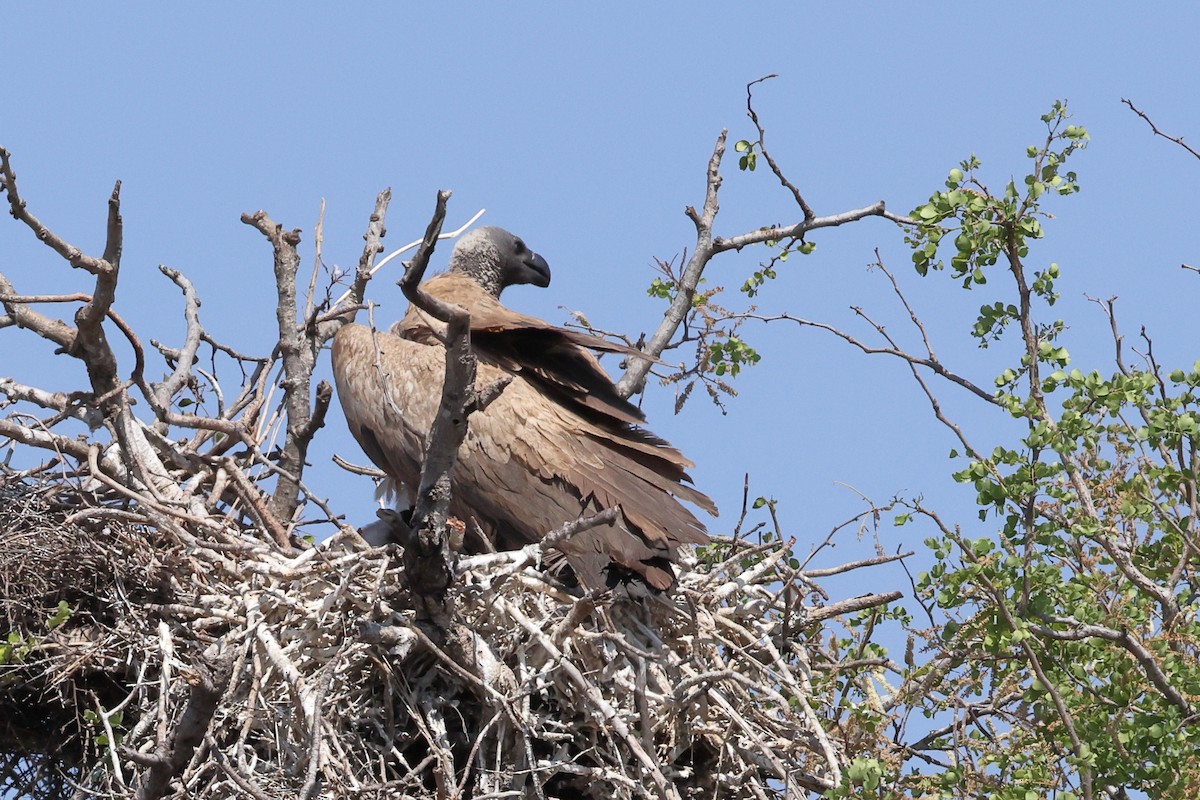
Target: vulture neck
column 484, row 271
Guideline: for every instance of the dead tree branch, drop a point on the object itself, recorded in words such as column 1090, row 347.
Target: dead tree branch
column 428, row 558
column 762, row 144
column 174, row 753
column 366, row 271
column 372, row 247
column 298, row 347
column 1154, row 128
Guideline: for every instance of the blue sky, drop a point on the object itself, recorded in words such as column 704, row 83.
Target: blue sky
column 586, row 130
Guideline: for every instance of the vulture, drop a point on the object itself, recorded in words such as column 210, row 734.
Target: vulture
column 558, row 443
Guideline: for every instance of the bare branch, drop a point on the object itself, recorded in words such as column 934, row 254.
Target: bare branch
column 23, row 316
column 165, row 391
column 88, row 342
column 414, row 273
column 1154, row 128
column 558, row 536
column 298, row 345
column 850, row 566
column 851, row 605
column 634, row 379
column 932, row 365
column 762, row 135
column 318, row 243
column 339, row 314
column 365, row 273
column 428, row 559
column 798, row 230
column 250, row 494
column 174, row 753
column 92, row 314
column 58, row 401
column 73, row 255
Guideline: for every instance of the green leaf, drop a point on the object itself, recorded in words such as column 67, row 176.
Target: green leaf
column 60, row 616
column 981, row 547
column 741, row 145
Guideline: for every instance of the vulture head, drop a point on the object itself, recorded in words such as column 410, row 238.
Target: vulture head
column 496, row 259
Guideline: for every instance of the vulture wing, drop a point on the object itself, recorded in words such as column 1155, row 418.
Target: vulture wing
column 556, row 359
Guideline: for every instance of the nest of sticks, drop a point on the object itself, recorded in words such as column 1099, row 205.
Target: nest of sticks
column 143, row 646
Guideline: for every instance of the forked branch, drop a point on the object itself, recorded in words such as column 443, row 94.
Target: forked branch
column 709, row 245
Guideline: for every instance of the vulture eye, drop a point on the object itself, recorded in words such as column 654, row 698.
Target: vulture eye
column 519, row 246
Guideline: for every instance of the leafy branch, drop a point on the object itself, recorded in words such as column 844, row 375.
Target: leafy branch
column 682, row 291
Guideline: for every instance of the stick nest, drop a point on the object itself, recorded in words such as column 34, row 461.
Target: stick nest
column 128, row 628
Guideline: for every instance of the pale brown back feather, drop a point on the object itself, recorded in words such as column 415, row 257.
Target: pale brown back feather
column 557, row 359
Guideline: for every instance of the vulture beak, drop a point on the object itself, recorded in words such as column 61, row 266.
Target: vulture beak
column 538, row 269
